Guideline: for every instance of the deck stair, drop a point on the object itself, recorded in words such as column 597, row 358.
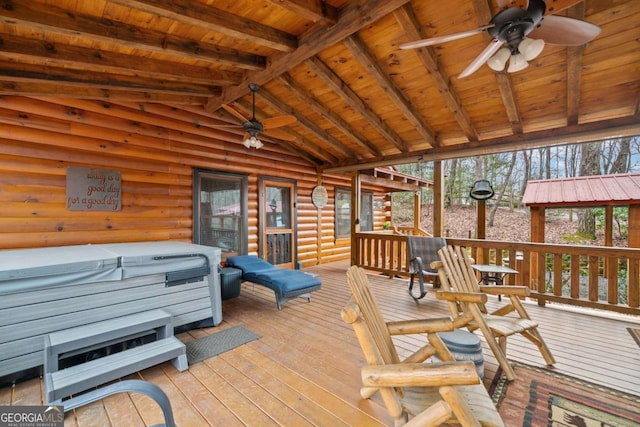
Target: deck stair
column 63, row 383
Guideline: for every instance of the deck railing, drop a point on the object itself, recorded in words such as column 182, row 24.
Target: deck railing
column 588, row 276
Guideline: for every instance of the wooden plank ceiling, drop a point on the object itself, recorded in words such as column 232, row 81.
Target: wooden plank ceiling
column 335, row 65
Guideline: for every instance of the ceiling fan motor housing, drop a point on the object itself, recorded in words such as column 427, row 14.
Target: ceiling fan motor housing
column 513, row 24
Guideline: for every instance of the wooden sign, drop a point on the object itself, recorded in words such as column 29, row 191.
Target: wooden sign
column 93, row 189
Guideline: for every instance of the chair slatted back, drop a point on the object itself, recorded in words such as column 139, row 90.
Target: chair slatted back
column 457, row 264
column 458, row 275
column 359, row 284
column 426, row 248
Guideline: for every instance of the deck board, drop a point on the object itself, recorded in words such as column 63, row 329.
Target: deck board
column 304, row 370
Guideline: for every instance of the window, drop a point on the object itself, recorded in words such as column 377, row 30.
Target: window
column 343, row 212
column 220, row 211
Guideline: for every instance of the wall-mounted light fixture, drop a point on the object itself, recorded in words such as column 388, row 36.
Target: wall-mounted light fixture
column 481, row 190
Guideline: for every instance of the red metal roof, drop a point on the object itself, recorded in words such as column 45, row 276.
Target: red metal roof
column 599, row 190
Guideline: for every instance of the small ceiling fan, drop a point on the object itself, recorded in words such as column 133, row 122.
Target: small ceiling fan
column 253, row 127
column 525, row 32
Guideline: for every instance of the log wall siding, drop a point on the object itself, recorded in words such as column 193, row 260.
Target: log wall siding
column 156, row 156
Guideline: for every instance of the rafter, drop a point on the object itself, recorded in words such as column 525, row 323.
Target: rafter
column 19, row 49
column 309, row 100
column 204, row 16
column 309, row 126
column 313, row 10
column 574, row 71
column 353, row 16
column 411, row 27
column 360, row 51
column 8, row 86
column 503, row 80
column 77, row 78
column 50, row 19
column 354, row 101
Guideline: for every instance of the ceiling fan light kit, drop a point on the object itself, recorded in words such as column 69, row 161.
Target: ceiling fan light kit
column 253, row 127
column 511, row 26
column 252, row 142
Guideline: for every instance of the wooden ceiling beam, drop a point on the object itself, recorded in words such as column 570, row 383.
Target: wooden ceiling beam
column 312, row 10
column 353, row 16
column 45, row 18
column 309, row 100
column 411, row 27
column 201, row 15
column 371, row 64
column 55, row 89
column 68, row 78
column 342, row 89
column 503, row 80
column 574, row 71
column 576, row 134
column 19, row 49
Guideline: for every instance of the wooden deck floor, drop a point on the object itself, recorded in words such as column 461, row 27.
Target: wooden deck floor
column 304, row 370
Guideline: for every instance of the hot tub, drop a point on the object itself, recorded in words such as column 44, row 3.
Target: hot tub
column 50, row 289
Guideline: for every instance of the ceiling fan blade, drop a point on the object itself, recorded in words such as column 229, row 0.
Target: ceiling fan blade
column 229, row 109
column 442, row 39
column 560, row 30
column 484, row 56
column 278, row 121
column 279, row 134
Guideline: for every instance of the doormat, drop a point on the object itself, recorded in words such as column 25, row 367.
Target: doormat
column 540, row 397
column 217, row 343
column 635, row 333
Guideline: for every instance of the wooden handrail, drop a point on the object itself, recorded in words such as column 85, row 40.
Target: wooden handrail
column 599, row 277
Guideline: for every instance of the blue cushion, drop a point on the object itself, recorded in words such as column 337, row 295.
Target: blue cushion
column 249, row 263
column 287, row 280
column 257, row 270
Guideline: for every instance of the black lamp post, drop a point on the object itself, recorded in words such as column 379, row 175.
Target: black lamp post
column 481, row 191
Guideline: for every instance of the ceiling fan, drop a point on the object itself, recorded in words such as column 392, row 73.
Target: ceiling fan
column 253, row 127
column 525, row 32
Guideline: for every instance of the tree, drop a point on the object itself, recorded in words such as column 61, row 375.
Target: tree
column 589, row 165
column 504, row 186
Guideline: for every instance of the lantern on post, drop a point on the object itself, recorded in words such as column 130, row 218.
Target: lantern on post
column 481, row 191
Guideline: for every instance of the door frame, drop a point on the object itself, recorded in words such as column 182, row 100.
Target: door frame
column 263, row 230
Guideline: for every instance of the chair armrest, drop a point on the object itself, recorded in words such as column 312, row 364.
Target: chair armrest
column 520, row 291
column 472, row 297
column 420, row 375
column 417, row 265
column 420, row 326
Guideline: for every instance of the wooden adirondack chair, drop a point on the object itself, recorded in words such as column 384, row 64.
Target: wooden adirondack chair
column 431, row 393
column 458, row 280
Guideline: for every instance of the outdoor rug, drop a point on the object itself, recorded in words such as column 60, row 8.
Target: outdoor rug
column 635, row 333
column 219, row 342
column 540, row 397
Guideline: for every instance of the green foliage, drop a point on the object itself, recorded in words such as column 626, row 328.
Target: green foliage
column 620, row 220
column 577, row 237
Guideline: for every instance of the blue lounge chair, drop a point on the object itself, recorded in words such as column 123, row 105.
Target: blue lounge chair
column 285, row 283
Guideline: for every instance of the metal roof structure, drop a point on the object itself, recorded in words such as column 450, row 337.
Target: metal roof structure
column 597, row 190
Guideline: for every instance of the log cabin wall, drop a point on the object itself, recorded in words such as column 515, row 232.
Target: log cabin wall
column 155, row 155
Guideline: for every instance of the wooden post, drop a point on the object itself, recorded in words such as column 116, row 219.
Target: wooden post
column 481, row 232
column 438, row 199
column 355, row 215
column 416, row 213
column 537, row 236
column 608, row 236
